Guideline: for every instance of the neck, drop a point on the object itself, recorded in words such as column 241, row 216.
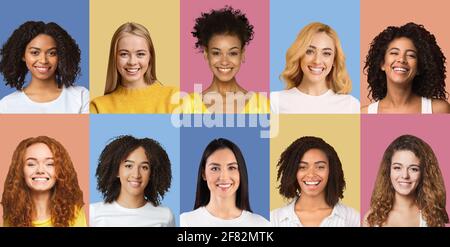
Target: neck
column 224, row 208
column 130, row 201
column 224, row 87
column 404, row 202
column 42, row 85
column 311, row 202
column 312, row 88
column 134, row 84
column 398, row 95
column 41, row 203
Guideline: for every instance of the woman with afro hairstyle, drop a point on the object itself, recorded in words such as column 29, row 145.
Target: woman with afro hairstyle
column 409, row 189
column 41, row 188
column 311, row 176
column 406, row 72
column 316, row 77
column 222, row 35
column 131, row 83
column 52, row 57
column 133, row 175
column 222, row 197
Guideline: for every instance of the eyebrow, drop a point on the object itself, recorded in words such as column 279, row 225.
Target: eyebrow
column 401, row 164
column 316, row 163
column 217, row 164
column 35, row 159
column 234, row 47
column 37, row 48
column 324, row 49
column 395, row 48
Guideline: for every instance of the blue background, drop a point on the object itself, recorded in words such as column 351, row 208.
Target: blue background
column 288, row 17
column 72, row 15
column 158, row 127
column 254, row 149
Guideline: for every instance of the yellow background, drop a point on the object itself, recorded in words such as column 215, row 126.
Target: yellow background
column 340, row 131
column 161, row 18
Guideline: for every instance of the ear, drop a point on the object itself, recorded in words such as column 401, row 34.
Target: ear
column 203, row 176
column 243, row 55
column 382, row 66
column 205, row 53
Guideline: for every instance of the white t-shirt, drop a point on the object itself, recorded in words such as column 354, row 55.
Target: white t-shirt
column 294, row 101
column 341, row 216
column 112, row 214
column 426, row 107
column 202, row 218
column 71, row 100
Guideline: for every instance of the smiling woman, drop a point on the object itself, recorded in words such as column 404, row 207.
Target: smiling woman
column 133, row 175
column 409, row 189
column 41, row 188
column 131, row 83
column 52, row 57
column 222, row 197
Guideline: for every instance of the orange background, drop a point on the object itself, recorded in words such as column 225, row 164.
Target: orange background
column 72, row 131
column 377, row 15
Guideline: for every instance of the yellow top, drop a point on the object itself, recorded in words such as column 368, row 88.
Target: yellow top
column 258, row 104
column 80, row 220
column 155, row 98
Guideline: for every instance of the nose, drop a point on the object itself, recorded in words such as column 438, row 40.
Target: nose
column 132, row 59
column 402, row 58
column 223, row 174
column 224, row 60
column 40, row 169
column 405, row 173
column 43, row 59
column 311, row 172
column 136, row 172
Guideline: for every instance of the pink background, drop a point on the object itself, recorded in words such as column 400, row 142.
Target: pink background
column 378, row 131
column 254, row 73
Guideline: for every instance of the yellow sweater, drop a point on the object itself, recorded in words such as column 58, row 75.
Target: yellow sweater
column 152, row 99
column 80, row 220
column 258, row 104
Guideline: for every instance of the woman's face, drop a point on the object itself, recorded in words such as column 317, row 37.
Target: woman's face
column 222, row 173
column 39, row 168
column 318, row 59
column 41, row 57
column 134, row 173
column 400, row 61
column 405, row 172
column 312, row 173
column 133, row 57
column 224, row 54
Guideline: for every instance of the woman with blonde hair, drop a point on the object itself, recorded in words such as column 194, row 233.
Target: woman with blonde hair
column 131, row 82
column 409, row 189
column 316, row 78
column 41, row 188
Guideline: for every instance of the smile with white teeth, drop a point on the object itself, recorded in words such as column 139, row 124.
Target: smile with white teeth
column 40, row 179
column 42, row 69
column 132, row 70
column 316, row 70
column 311, row 182
column 400, row 69
column 224, row 70
column 134, row 184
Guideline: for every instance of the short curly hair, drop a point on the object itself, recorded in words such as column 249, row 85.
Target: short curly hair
column 288, row 166
column 430, row 193
column 430, row 83
column 66, row 199
column 117, row 151
column 14, row 68
column 223, row 21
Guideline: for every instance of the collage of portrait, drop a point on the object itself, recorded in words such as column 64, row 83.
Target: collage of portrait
column 200, row 113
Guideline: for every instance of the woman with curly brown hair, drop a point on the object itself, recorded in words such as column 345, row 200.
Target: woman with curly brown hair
column 133, row 175
column 311, row 176
column 41, row 188
column 409, row 189
column 222, row 36
column 406, row 72
column 52, row 57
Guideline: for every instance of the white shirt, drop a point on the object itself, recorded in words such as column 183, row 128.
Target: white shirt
column 112, row 214
column 201, row 217
column 426, row 107
column 71, row 100
column 294, row 101
column 341, row 216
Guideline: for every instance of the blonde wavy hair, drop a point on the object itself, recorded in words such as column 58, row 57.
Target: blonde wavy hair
column 113, row 77
column 430, row 192
column 338, row 78
column 66, row 197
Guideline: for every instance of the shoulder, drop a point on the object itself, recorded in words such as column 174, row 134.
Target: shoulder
column 349, row 214
column 12, row 96
column 346, row 210
column 365, row 109
column 280, row 213
column 440, row 106
column 98, row 206
column 77, row 89
column 188, row 218
column 256, row 219
column 163, row 210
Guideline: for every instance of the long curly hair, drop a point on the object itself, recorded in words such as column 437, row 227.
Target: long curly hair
column 66, row 196
column 429, row 82
column 117, row 151
column 292, row 74
column 223, row 21
column 430, row 192
column 14, row 68
column 288, row 165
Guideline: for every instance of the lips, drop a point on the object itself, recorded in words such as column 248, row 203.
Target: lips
column 400, row 69
column 224, row 186
column 132, row 71
column 40, row 179
column 316, row 70
column 135, row 184
column 224, row 70
column 42, row 69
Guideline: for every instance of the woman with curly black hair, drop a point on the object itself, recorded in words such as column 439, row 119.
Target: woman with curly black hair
column 311, row 176
column 52, row 57
column 133, row 175
column 406, row 72
column 222, row 35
